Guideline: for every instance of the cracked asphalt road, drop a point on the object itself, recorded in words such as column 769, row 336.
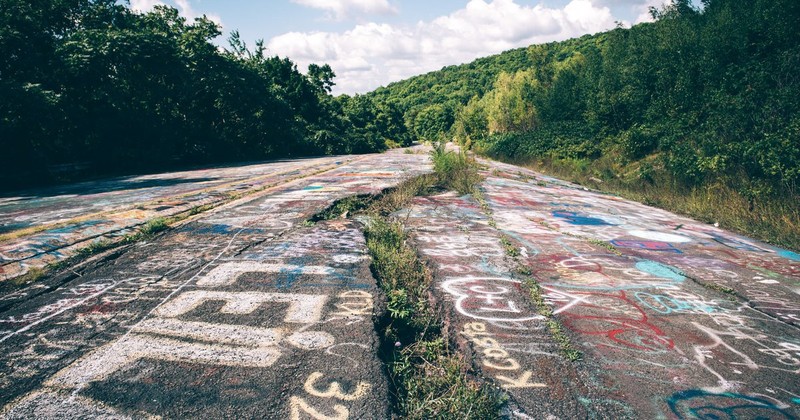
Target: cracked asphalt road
column 246, row 311
column 674, row 318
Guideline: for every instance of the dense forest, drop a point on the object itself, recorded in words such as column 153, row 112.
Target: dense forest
column 698, row 111
column 92, row 85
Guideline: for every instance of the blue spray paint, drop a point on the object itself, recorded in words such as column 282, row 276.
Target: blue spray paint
column 695, row 403
column 667, row 305
column 789, row 255
column 660, row 270
column 579, row 219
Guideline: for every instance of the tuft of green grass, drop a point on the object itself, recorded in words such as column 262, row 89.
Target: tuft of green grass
column 148, row 230
column 95, row 247
column 402, row 275
column 611, row 248
column 154, row 226
column 400, row 196
column 719, row 288
column 509, row 247
column 455, row 170
column 437, row 387
column 34, row 274
column 200, row 209
column 342, row 208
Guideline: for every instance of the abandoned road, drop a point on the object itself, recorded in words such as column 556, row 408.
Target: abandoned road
column 576, row 304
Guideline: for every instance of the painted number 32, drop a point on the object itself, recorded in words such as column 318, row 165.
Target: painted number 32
column 299, row 405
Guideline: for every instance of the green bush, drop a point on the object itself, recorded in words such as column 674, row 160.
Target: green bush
column 455, row 170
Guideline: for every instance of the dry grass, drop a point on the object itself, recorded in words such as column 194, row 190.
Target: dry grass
column 775, row 220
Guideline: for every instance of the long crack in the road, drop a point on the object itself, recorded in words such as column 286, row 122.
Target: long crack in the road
column 247, row 311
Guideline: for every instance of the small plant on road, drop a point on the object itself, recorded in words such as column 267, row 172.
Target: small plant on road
column 429, row 380
column 455, row 170
column 154, row 226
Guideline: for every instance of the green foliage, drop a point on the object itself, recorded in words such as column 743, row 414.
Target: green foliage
column 700, row 97
column 94, row 85
column 433, row 122
column 472, row 123
column 428, row 380
column 455, row 170
column 510, row 106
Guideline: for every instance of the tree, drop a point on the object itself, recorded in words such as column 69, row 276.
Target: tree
column 433, row 122
column 510, row 106
column 321, row 77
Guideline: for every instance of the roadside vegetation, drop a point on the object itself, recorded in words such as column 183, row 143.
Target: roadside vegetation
column 697, row 112
column 429, row 378
column 455, row 170
column 92, row 88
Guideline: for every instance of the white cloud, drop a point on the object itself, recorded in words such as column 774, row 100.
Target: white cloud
column 145, row 5
column 370, row 55
column 184, row 8
column 642, row 10
column 342, row 9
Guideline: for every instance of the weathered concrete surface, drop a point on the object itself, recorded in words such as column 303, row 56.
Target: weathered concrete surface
column 491, row 315
column 675, row 318
column 38, row 227
column 246, row 312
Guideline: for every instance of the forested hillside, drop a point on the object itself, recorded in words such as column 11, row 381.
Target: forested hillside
column 90, row 84
column 698, row 112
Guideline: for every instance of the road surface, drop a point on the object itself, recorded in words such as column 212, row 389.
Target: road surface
column 248, row 311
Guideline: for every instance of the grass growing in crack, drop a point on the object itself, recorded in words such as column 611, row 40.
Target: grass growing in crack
column 95, row 247
column 719, row 288
column 342, row 208
column 535, row 291
column 154, row 226
column 455, row 170
column 429, row 380
column 400, row 196
column 200, row 209
column 148, row 230
column 509, row 247
column 556, row 330
column 604, row 244
column 401, row 274
column 33, row 274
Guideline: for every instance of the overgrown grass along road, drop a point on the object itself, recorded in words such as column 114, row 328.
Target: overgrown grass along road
column 429, row 378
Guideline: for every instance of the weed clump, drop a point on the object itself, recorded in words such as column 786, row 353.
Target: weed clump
column 154, row 226
column 429, row 380
column 455, row 170
column 342, row 208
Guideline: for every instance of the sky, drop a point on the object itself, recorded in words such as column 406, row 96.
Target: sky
column 371, row 43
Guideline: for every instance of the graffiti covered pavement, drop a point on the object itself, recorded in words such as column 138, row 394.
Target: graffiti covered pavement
column 246, row 311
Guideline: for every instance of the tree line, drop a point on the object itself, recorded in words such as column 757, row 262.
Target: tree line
column 93, row 84
column 702, row 96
